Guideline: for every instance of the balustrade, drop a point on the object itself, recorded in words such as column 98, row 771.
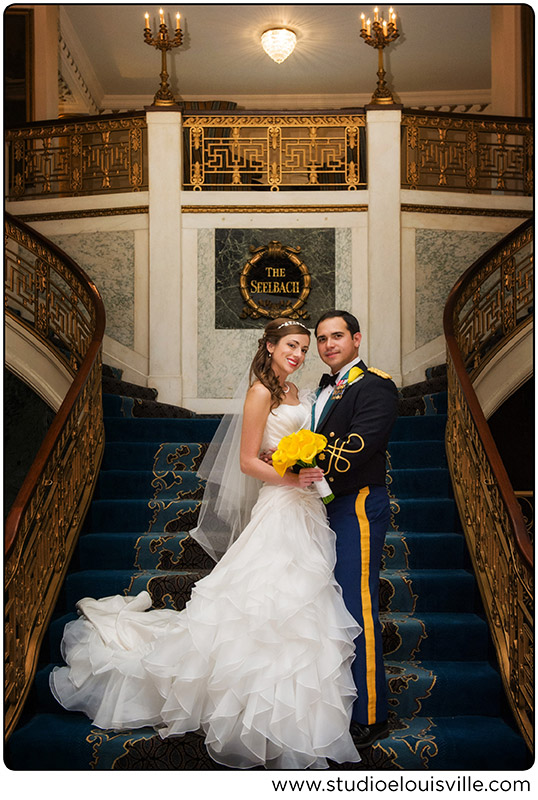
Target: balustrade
column 55, row 302
column 458, row 152
column 489, row 304
column 88, row 156
column 274, row 152
column 252, row 151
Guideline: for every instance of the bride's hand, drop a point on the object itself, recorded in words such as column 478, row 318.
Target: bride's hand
column 308, row 475
column 266, row 456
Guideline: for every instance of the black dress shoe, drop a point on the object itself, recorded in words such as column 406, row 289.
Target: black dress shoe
column 366, row 735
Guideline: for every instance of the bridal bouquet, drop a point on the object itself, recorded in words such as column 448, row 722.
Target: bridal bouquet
column 301, row 448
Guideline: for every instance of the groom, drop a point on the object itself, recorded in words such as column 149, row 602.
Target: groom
column 355, row 409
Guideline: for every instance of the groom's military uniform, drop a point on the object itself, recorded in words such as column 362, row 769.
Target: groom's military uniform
column 357, row 419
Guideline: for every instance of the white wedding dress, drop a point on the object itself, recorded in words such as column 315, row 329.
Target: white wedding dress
column 259, row 660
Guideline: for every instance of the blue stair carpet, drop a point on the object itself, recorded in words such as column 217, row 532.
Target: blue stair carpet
column 447, row 707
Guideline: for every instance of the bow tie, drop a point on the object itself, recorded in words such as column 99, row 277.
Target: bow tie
column 327, row 379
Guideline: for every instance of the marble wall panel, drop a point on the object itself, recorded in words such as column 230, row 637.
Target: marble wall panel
column 232, row 251
column 441, row 257
column 109, row 259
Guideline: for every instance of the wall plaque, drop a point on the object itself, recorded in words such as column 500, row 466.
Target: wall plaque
column 262, row 273
column 274, row 282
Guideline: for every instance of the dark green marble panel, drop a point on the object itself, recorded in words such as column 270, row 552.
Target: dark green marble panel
column 232, row 251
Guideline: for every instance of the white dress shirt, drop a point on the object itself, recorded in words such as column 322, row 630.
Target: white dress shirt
column 328, row 390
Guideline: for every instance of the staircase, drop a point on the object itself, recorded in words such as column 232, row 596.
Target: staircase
column 447, row 707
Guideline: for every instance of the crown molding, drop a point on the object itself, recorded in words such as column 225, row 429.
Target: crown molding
column 475, row 100
column 76, row 69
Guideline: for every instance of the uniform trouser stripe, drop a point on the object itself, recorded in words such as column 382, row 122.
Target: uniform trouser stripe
column 368, row 620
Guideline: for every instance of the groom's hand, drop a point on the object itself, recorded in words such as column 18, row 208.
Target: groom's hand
column 266, row 456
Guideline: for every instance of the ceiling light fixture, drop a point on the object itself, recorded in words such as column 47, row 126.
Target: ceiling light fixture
column 279, row 43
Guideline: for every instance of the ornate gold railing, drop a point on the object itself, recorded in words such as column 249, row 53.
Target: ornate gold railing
column 281, row 151
column 224, row 150
column 459, row 152
column 54, row 300
column 92, row 155
column 526, row 502
column 490, row 303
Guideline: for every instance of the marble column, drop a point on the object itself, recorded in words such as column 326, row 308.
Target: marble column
column 384, row 277
column 506, row 67
column 165, row 165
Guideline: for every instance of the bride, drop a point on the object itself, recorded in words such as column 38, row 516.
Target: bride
column 260, row 658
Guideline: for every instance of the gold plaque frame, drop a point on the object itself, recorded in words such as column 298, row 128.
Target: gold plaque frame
column 293, row 310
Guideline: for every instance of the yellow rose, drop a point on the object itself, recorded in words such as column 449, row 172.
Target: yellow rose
column 354, row 373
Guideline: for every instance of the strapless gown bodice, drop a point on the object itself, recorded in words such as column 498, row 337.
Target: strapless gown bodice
column 285, row 420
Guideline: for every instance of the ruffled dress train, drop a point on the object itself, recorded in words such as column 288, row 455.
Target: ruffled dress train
column 260, row 658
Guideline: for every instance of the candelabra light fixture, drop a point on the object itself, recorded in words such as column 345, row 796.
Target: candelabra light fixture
column 279, row 43
column 379, row 34
column 163, row 42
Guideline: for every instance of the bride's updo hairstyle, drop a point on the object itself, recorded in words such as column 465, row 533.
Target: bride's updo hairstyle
column 260, row 369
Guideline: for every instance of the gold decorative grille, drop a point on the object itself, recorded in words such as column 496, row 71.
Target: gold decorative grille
column 467, row 154
column 497, row 303
column 93, row 156
column 55, row 301
column 274, row 152
column 44, row 295
column 491, row 302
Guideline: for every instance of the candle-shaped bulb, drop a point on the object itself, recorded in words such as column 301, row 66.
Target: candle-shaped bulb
column 178, row 17
column 161, row 15
column 384, row 26
column 390, row 11
column 368, row 23
column 376, row 10
column 146, row 17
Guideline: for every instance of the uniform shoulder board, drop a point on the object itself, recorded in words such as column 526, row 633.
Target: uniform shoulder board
column 380, row 373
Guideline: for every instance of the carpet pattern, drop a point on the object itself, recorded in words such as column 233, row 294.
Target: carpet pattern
column 447, row 708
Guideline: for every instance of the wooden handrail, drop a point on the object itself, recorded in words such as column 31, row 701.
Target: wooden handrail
column 76, row 120
column 53, row 434
column 521, row 535
column 58, row 303
column 489, row 305
column 464, row 115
